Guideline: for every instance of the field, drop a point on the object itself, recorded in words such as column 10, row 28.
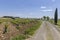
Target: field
column 52, row 21
column 58, row 22
column 18, row 28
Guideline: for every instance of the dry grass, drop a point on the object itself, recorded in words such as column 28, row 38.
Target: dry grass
column 16, row 27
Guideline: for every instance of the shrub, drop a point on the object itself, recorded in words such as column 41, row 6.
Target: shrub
column 17, row 27
column 31, row 30
column 5, row 29
column 19, row 37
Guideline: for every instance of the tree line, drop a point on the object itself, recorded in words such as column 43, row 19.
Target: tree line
column 55, row 17
column 44, row 17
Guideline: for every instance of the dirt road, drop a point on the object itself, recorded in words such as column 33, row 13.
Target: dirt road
column 47, row 31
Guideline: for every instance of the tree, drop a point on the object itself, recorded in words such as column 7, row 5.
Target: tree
column 47, row 18
column 56, row 16
column 44, row 17
column 9, row 17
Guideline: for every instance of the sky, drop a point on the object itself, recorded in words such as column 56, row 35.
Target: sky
column 29, row 8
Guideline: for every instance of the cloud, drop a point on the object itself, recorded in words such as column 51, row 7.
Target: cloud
column 53, row 0
column 42, row 7
column 30, row 13
column 47, row 10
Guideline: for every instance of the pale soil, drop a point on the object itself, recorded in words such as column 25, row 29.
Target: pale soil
column 47, row 31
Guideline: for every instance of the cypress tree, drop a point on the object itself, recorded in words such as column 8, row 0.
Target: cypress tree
column 56, row 16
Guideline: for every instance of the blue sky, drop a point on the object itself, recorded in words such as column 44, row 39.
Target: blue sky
column 29, row 8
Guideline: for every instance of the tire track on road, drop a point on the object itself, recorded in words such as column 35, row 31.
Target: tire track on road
column 55, row 32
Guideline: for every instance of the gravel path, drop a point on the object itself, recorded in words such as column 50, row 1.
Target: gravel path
column 47, row 31
column 55, row 32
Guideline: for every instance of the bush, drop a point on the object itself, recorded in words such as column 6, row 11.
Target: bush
column 5, row 29
column 17, row 27
column 15, row 22
column 31, row 30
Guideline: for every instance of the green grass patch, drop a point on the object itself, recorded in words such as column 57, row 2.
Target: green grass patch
column 19, row 37
column 59, row 23
column 31, row 30
column 28, row 32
